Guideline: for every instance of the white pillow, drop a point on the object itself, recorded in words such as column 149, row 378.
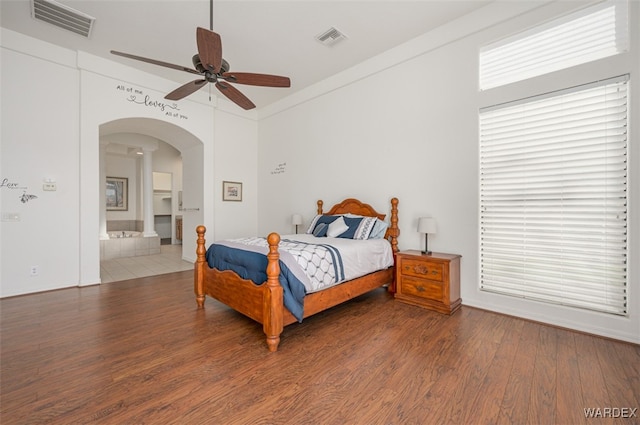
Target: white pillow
column 337, row 228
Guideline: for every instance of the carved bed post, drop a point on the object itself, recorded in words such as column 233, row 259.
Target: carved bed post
column 201, row 263
column 394, row 230
column 320, row 206
column 273, row 305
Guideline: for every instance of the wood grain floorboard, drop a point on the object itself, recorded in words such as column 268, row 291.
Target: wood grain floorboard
column 139, row 352
column 568, row 381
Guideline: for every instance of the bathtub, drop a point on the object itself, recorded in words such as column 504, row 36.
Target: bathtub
column 126, row 243
column 124, row 234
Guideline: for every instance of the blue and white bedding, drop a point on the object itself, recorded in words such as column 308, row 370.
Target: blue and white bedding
column 307, row 263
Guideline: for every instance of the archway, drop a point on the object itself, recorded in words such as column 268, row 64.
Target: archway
column 190, row 149
column 116, row 105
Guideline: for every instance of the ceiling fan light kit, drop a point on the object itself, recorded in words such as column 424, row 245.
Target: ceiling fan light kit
column 212, row 68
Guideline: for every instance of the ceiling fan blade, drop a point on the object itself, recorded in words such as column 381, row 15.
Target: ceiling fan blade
column 209, row 49
column 185, row 90
column 257, row 79
column 155, row 62
column 235, row 95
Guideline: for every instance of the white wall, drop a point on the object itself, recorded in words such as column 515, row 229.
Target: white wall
column 405, row 125
column 39, row 140
column 236, row 160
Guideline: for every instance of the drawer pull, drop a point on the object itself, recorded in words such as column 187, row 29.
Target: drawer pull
column 420, row 288
column 421, row 269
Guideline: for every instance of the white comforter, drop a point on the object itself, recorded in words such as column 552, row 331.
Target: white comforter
column 359, row 257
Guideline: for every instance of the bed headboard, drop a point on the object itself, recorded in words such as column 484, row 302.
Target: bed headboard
column 354, row 206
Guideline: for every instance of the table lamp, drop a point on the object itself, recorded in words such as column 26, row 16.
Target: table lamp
column 296, row 220
column 426, row 225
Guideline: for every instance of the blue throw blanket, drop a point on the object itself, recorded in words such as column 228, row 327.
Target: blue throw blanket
column 247, row 258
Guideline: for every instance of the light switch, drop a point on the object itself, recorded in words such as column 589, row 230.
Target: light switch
column 49, row 187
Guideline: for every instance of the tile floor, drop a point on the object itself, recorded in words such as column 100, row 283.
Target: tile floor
column 169, row 260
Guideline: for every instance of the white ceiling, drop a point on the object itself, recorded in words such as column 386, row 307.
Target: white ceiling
column 262, row 36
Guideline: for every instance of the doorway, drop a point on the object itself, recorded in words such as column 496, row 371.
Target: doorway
column 169, row 163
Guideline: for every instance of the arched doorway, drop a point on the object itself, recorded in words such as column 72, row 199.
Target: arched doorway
column 144, row 131
column 111, row 105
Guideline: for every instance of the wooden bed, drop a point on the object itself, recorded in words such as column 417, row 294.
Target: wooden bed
column 264, row 303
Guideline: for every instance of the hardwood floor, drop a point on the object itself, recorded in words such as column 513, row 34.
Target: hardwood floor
column 138, row 352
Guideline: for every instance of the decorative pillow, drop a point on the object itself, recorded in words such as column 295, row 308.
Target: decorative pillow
column 321, row 230
column 328, row 219
column 312, row 225
column 337, row 227
column 361, row 227
column 352, row 227
column 379, row 229
column 365, row 228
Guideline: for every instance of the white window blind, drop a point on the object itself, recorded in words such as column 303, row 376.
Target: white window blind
column 553, row 197
column 594, row 33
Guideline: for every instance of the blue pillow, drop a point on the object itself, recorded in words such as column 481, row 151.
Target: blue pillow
column 321, row 230
column 327, row 219
column 353, row 224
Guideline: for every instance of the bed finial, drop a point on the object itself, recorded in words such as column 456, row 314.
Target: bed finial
column 320, row 206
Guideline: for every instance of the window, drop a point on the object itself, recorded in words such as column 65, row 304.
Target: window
column 594, row 33
column 553, row 197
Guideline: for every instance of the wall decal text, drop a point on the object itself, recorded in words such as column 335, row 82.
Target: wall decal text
column 138, row 97
column 280, row 168
column 8, row 184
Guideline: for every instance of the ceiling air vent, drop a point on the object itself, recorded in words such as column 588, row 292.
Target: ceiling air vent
column 62, row 16
column 331, row 36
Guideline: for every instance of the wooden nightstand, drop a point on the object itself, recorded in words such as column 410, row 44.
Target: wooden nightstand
column 430, row 281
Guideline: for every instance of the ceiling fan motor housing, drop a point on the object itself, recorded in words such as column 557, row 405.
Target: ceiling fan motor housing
column 197, row 63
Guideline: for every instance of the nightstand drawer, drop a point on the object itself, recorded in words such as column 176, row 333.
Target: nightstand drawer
column 421, row 288
column 421, row 269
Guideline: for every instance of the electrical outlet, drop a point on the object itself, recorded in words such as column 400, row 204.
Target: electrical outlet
column 34, row 270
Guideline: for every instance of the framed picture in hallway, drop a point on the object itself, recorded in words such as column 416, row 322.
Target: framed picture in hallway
column 117, row 194
column 231, row 191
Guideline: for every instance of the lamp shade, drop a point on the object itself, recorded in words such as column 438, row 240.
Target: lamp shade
column 427, row 225
column 296, row 219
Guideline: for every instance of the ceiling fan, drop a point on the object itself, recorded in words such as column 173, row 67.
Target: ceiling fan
column 210, row 65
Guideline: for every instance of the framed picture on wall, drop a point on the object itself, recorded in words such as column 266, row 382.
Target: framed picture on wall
column 117, row 194
column 231, row 191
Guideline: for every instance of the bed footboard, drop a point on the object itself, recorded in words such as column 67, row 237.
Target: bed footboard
column 263, row 303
